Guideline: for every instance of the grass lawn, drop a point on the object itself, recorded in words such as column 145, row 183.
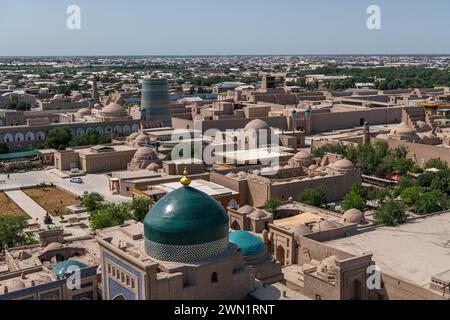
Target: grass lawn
column 52, row 199
column 9, row 207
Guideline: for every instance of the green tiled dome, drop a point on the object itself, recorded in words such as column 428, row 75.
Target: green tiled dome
column 249, row 244
column 63, row 267
column 186, row 217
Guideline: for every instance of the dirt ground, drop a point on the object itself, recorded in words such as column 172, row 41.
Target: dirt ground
column 9, row 207
column 52, row 199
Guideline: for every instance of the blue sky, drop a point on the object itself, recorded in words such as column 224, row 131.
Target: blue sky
column 207, row 27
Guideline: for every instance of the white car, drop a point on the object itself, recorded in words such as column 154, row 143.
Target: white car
column 76, row 180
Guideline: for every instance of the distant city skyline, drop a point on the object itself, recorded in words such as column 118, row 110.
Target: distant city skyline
column 202, row 28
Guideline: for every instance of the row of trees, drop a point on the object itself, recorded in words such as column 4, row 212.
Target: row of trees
column 373, row 159
column 61, row 138
column 105, row 215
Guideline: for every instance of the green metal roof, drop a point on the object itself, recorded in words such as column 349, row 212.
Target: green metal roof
column 18, row 155
column 186, row 216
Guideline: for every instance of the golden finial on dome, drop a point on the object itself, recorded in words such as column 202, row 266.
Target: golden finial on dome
column 185, row 181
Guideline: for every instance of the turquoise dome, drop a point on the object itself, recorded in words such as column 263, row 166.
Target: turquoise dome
column 186, row 217
column 61, row 268
column 248, row 243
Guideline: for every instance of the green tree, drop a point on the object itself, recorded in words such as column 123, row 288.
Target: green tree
column 110, row 215
column 11, row 231
column 58, row 138
column 410, row 195
column 272, row 205
column 430, row 202
column 425, row 179
column 353, row 200
column 403, row 166
column 3, row 148
column 436, row 164
column 391, row 213
column 140, row 207
column 314, row 197
column 92, row 201
column 405, row 183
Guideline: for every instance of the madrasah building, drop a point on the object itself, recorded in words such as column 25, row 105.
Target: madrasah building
column 183, row 252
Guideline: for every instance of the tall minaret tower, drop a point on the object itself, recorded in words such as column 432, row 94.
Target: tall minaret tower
column 366, row 133
column 95, row 95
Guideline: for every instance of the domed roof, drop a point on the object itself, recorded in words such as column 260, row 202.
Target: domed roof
column 300, row 230
column 303, row 155
column 76, row 97
column 343, row 164
column 145, row 154
column 114, row 110
column 141, row 138
column 248, row 243
column 54, row 246
column 353, row 216
column 186, row 225
column 326, row 225
column 256, row 124
column 328, row 267
column 246, row 209
column 258, row 214
column 84, row 112
column 62, row 268
column 402, row 129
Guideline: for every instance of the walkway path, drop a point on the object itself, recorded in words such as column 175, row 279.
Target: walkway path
column 31, row 208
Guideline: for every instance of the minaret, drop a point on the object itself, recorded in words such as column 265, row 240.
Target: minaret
column 95, row 95
column 366, row 133
column 155, row 103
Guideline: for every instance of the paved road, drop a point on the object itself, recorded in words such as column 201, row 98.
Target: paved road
column 34, row 210
column 92, row 183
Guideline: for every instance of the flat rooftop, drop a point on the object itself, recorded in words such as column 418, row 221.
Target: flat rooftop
column 242, row 156
column 210, row 188
column 303, row 218
column 415, row 251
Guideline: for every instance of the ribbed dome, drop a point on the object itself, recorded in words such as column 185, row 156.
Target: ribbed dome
column 248, row 243
column 186, row 225
column 256, row 124
column 63, row 267
column 114, row 110
column 145, row 154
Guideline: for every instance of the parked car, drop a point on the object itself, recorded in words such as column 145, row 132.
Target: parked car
column 76, row 180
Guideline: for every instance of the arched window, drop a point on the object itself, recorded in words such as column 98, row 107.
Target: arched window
column 214, row 277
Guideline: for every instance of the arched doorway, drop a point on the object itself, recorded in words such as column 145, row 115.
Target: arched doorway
column 119, row 297
column 235, row 225
column 280, row 255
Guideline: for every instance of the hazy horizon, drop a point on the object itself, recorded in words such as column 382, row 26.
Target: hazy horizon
column 233, row 28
